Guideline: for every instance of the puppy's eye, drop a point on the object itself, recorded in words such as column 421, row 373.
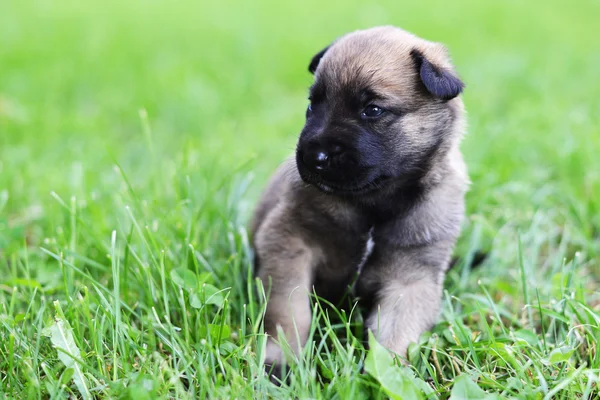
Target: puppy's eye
column 372, row 111
column 309, row 109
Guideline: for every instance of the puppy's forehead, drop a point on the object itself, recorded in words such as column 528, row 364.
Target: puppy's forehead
column 375, row 59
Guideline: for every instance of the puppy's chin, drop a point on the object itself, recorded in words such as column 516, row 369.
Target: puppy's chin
column 368, row 184
column 351, row 191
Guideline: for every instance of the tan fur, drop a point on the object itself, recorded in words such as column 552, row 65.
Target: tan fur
column 300, row 233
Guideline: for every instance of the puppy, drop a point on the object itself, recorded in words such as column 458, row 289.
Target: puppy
column 378, row 161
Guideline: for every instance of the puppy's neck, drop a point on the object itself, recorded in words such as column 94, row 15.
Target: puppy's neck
column 447, row 170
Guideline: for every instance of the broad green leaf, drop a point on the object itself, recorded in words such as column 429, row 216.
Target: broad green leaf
column 214, row 330
column 449, row 336
column 195, row 301
column 397, row 382
column 560, row 354
column 20, row 317
column 465, row 389
column 184, row 278
column 227, row 348
column 66, row 376
column 421, row 384
column 142, row 388
column 514, row 383
column 61, row 336
column 208, row 294
column 528, row 336
column 204, row 277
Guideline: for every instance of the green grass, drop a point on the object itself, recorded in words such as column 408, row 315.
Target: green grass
column 136, row 136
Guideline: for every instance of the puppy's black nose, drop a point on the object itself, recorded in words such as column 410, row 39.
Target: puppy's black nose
column 316, row 158
column 321, row 159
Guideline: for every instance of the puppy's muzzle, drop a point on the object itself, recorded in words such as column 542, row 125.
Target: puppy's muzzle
column 332, row 161
column 318, row 157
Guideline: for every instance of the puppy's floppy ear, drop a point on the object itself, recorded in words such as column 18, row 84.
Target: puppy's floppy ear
column 439, row 81
column 314, row 63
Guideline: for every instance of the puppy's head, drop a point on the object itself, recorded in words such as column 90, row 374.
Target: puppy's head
column 383, row 105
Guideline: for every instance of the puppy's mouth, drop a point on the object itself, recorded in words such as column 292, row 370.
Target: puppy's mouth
column 341, row 189
column 349, row 183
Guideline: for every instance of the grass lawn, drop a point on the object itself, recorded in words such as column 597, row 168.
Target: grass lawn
column 136, row 136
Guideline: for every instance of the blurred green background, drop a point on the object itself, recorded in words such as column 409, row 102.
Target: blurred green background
column 181, row 110
column 226, row 82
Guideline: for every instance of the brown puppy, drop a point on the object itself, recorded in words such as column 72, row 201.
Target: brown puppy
column 378, row 161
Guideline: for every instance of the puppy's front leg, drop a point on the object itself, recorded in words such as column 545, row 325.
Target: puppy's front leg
column 286, row 265
column 404, row 290
column 404, row 310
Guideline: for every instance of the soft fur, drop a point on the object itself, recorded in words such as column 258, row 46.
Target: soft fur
column 398, row 179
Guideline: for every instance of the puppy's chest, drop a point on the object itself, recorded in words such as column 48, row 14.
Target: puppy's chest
column 368, row 249
column 347, row 254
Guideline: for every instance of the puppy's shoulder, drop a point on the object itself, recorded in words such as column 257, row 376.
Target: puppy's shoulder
column 439, row 213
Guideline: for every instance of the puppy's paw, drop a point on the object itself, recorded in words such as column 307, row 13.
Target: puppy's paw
column 274, row 371
column 274, row 362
